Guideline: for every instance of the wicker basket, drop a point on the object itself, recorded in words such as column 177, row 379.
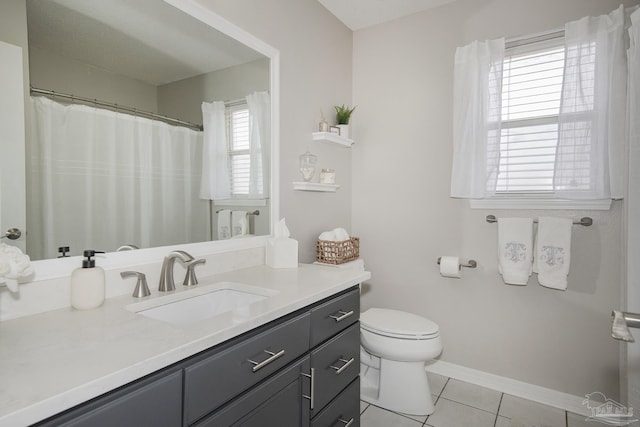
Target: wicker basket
column 330, row 252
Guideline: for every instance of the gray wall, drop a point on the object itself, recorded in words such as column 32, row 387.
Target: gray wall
column 405, row 218
column 53, row 72
column 182, row 99
column 315, row 61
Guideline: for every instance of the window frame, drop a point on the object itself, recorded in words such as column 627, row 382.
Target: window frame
column 534, row 200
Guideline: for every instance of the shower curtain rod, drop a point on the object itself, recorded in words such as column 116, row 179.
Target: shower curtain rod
column 118, row 107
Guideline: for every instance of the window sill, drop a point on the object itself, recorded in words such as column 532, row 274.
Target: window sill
column 241, row 202
column 539, row 203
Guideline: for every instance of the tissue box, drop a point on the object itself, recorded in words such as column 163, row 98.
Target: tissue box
column 330, row 252
column 282, row 253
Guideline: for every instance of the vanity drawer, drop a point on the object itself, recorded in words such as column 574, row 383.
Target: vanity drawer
column 211, row 382
column 343, row 411
column 333, row 316
column 336, row 363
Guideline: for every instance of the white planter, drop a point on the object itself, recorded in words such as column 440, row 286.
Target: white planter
column 344, row 131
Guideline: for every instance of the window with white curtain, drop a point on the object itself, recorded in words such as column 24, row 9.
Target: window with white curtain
column 531, row 90
column 237, row 119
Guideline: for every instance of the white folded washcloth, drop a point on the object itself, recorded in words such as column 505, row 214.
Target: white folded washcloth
column 515, row 249
column 239, row 223
column 224, row 224
column 553, row 252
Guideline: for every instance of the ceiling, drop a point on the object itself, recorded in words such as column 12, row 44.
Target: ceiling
column 148, row 40
column 358, row 14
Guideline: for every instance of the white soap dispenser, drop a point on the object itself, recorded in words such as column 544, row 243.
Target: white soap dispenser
column 87, row 283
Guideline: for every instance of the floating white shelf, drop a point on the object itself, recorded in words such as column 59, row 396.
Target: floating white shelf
column 333, row 137
column 315, row 186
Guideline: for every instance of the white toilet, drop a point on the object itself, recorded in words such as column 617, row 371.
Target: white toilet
column 394, row 348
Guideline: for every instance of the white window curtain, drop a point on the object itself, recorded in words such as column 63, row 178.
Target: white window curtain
column 101, row 179
column 259, row 104
column 590, row 152
column 476, row 118
column 215, row 183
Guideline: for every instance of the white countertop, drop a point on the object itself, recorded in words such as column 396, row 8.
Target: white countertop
column 52, row 361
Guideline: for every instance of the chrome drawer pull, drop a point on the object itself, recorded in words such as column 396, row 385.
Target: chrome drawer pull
column 311, row 396
column 343, row 367
column 259, row 365
column 344, row 315
column 345, row 422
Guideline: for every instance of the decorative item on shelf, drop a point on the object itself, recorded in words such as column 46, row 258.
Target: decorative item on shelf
column 308, row 165
column 323, row 126
column 343, row 114
column 327, row 176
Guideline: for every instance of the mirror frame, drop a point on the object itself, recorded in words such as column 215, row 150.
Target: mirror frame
column 59, row 268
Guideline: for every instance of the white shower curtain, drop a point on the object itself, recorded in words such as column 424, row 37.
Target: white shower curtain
column 101, row 179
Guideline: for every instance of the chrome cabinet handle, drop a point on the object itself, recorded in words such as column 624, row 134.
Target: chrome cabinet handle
column 311, row 396
column 343, row 315
column 343, row 367
column 345, row 422
column 259, row 365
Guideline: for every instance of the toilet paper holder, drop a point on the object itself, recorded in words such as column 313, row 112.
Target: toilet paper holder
column 470, row 264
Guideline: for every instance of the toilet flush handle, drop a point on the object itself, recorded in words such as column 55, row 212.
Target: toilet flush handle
column 342, row 315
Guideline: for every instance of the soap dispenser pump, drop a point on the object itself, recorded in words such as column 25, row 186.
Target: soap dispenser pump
column 87, row 283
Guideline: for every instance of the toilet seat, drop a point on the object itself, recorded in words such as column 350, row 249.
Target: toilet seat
column 398, row 324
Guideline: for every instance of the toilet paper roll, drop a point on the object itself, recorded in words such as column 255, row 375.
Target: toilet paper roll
column 450, row 266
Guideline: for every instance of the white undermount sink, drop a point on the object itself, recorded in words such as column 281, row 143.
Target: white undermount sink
column 201, row 303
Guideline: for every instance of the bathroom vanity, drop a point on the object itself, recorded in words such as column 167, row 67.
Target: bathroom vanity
column 291, row 359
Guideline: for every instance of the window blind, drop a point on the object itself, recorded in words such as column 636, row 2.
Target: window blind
column 239, row 158
column 531, row 91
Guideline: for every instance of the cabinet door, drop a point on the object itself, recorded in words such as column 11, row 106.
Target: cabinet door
column 343, row 411
column 333, row 316
column 152, row 402
column 278, row 402
column 336, row 363
column 218, row 378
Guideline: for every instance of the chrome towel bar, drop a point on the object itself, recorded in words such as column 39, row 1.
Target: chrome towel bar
column 585, row 221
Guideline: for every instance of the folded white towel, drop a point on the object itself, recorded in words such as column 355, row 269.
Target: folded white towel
column 15, row 267
column 336, row 235
column 224, row 224
column 515, row 249
column 553, row 252
column 239, row 223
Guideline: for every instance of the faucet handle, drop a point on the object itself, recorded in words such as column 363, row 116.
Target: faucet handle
column 141, row 290
column 190, row 278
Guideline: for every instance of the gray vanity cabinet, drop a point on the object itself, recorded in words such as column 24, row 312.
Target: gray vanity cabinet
column 297, row 371
column 222, row 375
column 155, row 401
column 276, row 402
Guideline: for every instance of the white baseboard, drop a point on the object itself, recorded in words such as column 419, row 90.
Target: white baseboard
column 510, row 386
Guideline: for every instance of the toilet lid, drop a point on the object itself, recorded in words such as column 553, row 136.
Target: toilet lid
column 398, row 323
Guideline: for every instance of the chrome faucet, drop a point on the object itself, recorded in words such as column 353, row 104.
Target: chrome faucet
column 166, row 275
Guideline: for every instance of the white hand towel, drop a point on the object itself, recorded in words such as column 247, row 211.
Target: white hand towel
column 239, row 223
column 224, row 224
column 553, row 252
column 515, row 249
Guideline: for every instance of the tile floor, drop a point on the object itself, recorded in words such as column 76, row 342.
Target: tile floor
column 460, row 404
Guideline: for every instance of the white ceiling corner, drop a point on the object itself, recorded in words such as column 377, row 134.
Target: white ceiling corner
column 359, row 14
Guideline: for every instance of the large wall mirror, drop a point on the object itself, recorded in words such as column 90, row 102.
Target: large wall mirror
column 125, row 59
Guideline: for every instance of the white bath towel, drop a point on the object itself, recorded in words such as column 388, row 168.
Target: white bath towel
column 239, row 223
column 224, row 224
column 553, row 252
column 515, row 249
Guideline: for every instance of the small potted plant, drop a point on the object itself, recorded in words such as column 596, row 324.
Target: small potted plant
column 343, row 114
